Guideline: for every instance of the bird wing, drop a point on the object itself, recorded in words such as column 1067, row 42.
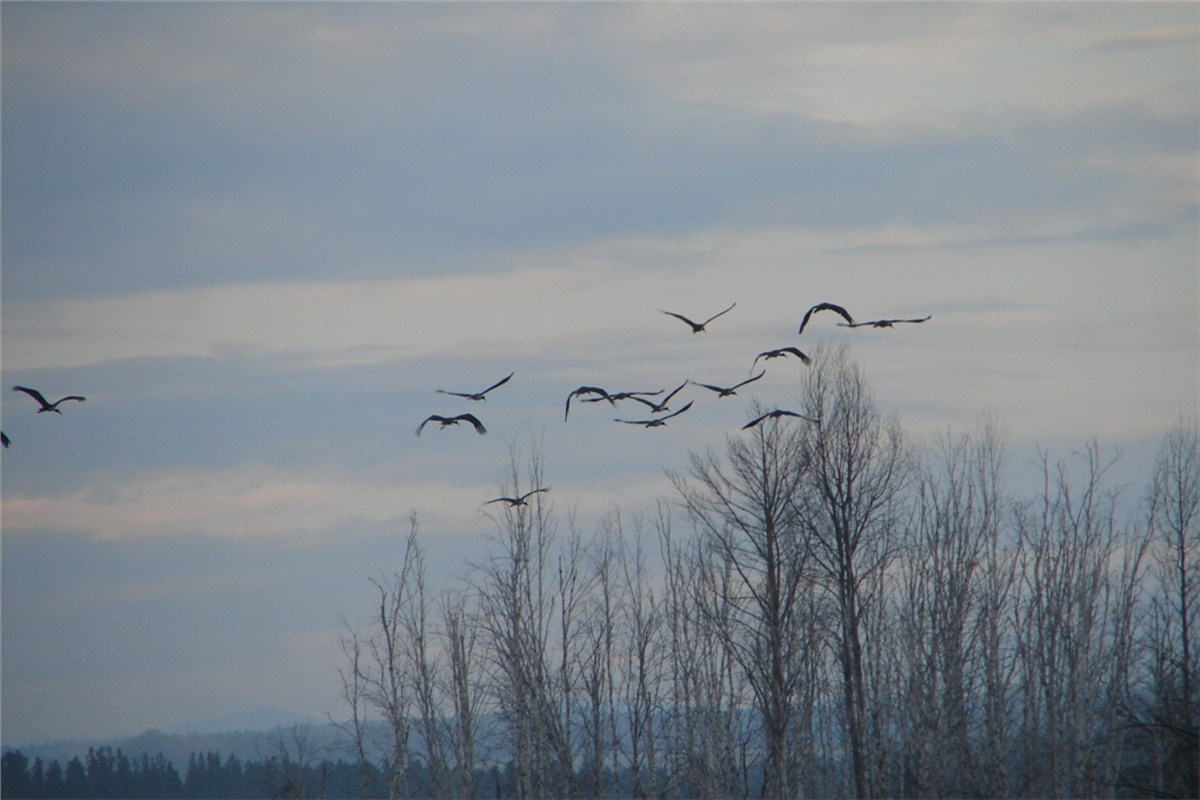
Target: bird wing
column 512, row 501
column 825, row 307
column 500, row 382
column 717, row 389
column 4, row 440
column 430, row 418
column 682, row 317
column 34, row 393
column 532, row 492
column 676, row 413
column 667, row 399
column 457, row 394
column 748, row 380
column 584, row 390
column 471, row 418
column 755, row 421
column 78, row 397
column 714, row 316
column 796, row 351
column 922, row 319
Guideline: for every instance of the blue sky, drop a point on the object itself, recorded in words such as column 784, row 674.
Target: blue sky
column 259, row 236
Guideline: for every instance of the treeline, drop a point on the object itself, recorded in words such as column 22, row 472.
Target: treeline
column 105, row 773
column 825, row 608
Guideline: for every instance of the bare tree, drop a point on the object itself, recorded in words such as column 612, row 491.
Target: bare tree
column 459, row 637
column 856, row 472
column 1174, row 520
column 1079, row 573
column 748, row 518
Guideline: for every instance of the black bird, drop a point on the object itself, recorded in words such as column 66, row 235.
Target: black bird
column 825, row 307
column 729, row 391
column 582, row 390
column 4, row 440
column 698, row 327
column 447, row 421
column 657, row 421
column 660, row 407
column 882, row 323
column 479, row 395
column 779, row 353
column 779, row 412
column 513, row 502
column 614, row 396
column 45, row 404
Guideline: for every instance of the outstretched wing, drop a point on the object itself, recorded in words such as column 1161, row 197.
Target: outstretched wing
column 676, row 413
column 531, row 493
column 430, row 418
column 748, row 380
column 467, row 395
column 682, row 317
column 34, row 393
column 78, row 397
column 825, row 307
column 500, row 382
column 779, row 412
column 471, row 418
column 674, row 392
column 584, row 390
column 714, row 316
column 717, row 389
column 797, row 353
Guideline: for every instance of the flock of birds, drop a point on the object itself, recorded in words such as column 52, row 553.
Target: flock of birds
column 659, row 410
column 650, row 399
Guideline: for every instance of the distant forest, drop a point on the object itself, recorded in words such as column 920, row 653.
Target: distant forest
column 826, row 607
column 106, row 773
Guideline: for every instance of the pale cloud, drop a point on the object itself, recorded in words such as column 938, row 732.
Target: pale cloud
column 242, row 502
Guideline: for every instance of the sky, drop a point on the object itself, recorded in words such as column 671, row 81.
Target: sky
column 259, row 237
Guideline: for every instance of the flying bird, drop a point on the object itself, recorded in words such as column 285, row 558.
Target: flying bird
column 513, row 502
column 582, row 390
column 729, row 391
column 660, row 407
column 882, row 323
column 4, row 440
column 614, row 396
column 825, row 307
column 779, row 353
column 657, row 421
column 479, row 395
column 779, row 412
column 698, row 327
column 448, row 421
column 43, row 402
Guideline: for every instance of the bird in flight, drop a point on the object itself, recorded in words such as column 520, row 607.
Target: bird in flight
column 479, row 395
column 779, row 412
column 698, row 327
column 730, row 391
column 4, row 440
column 657, row 421
column 43, row 402
column 882, row 323
column 825, row 307
column 513, row 502
column 661, row 406
column 779, row 353
column 448, row 421
column 582, row 390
